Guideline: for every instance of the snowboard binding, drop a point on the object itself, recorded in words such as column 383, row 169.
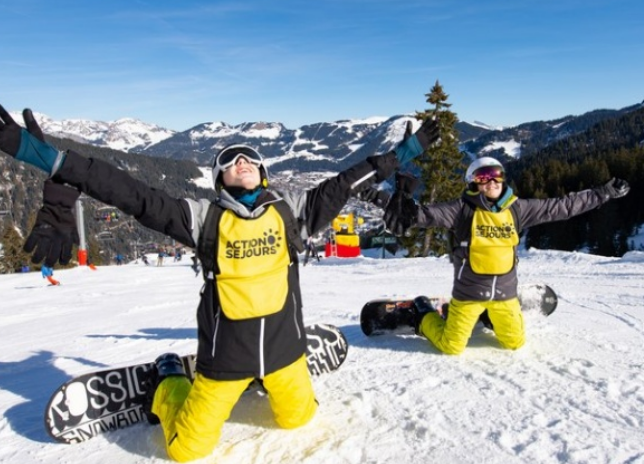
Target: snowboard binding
column 166, row 365
column 422, row 306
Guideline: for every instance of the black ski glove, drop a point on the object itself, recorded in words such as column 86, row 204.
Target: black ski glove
column 411, row 146
column 428, row 133
column 402, row 211
column 374, row 196
column 614, row 188
column 414, row 145
column 28, row 145
column 54, row 234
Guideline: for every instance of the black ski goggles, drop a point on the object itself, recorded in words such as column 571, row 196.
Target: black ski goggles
column 487, row 174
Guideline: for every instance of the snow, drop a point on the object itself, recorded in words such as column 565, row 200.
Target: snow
column 573, row 394
column 511, row 148
column 205, row 181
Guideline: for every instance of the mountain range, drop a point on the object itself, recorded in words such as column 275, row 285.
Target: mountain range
column 324, row 146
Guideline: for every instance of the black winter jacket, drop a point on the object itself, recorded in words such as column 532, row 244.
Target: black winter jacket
column 230, row 349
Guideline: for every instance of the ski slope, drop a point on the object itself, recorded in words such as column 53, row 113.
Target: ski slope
column 573, row 394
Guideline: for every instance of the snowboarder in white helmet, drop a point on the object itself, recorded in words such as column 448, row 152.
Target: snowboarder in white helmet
column 485, row 223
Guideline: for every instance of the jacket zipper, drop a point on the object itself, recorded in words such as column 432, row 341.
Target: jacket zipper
column 297, row 327
column 214, row 335
column 493, row 288
column 460, row 271
column 261, row 348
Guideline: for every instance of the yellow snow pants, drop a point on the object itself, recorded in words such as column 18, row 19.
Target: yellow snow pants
column 451, row 335
column 192, row 415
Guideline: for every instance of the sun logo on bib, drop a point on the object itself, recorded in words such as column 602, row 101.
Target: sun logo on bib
column 272, row 238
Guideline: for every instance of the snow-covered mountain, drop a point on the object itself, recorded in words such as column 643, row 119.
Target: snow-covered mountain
column 530, row 137
column 323, row 146
column 125, row 134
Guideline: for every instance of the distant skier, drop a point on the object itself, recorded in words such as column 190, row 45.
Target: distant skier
column 195, row 264
column 486, row 222
column 48, row 273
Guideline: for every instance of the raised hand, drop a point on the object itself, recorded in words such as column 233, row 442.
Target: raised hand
column 28, row 144
column 614, row 188
column 414, row 145
column 402, row 211
column 54, row 234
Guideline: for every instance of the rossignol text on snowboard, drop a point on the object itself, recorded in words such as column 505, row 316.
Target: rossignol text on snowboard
column 99, row 402
column 389, row 315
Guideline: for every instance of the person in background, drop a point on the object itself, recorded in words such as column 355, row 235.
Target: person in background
column 311, row 251
column 485, row 222
column 48, row 273
column 249, row 320
column 195, row 264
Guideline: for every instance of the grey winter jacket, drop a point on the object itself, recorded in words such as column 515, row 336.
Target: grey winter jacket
column 470, row 286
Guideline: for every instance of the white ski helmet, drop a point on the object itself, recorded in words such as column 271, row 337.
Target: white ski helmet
column 483, row 162
column 228, row 156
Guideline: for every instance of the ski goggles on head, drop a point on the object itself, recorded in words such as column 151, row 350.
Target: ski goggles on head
column 229, row 157
column 487, row 174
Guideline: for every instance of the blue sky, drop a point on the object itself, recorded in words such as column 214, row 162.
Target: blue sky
column 178, row 64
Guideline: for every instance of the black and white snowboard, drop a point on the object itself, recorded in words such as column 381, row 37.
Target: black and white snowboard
column 99, row 402
column 388, row 315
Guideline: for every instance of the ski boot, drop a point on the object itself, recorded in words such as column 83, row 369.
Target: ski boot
column 484, row 318
column 443, row 310
column 166, row 365
column 422, row 306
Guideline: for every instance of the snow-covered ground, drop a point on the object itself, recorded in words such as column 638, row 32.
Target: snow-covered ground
column 573, row 394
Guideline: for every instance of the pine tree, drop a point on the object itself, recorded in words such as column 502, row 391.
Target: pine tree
column 441, row 174
column 13, row 257
column 94, row 255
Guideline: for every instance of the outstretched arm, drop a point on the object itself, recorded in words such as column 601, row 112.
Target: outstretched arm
column 323, row 203
column 100, row 180
column 538, row 211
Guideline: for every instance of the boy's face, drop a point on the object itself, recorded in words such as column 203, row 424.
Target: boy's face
column 242, row 174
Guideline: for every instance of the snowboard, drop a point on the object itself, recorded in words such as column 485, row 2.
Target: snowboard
column 387, row 315
column 111, row 399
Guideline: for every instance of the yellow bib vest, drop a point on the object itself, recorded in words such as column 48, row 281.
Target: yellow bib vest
column 253, row 260
column 494, row 237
